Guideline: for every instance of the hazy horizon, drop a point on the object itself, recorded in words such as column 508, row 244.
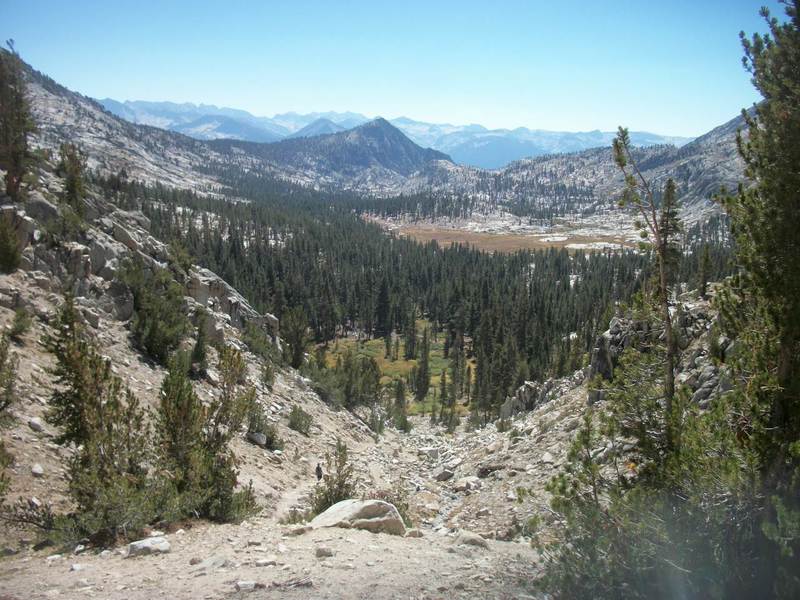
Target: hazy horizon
column 649, row 68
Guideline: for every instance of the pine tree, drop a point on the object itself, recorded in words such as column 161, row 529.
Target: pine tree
column 294, row 328
column 468, row 383
column 224, row 417
column 198, row 359
column 102, row 419
column 9, row 247
column 444, row 397
column 659, row 221
column 705, row 267
column 400, row 409
column 423, row 380
column 71, row 167
column 383, row 311
column 159, row 322
column 410, row 337
column 15, row 121
column 80, row 374
column 179, row 421
column 762, row 305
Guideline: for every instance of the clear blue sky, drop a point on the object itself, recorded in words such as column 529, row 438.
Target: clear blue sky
column 669, row 67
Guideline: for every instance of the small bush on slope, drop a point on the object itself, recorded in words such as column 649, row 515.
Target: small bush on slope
column 300, row 420
column 8, row 375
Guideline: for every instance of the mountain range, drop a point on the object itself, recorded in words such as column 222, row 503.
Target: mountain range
column 376, row 159
column 473, row 145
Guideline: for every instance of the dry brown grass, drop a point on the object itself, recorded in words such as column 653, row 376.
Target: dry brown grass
column 500, row 242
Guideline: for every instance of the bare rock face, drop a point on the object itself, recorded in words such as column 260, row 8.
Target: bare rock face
column 23, row 226
column 39, row 208
column 535, row 393
column 372, row 515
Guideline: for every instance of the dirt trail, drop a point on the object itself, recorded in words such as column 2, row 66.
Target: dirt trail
column 363, row 565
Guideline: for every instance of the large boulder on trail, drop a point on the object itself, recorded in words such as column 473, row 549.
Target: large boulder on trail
column 373, row 515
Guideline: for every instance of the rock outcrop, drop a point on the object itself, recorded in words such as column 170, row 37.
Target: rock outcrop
column 535, row 393
column 372, row 515
column 216, row 295
column 89, row 266
column 693, row 321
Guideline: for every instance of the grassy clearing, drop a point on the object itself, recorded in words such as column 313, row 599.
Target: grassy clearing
column 400, row 368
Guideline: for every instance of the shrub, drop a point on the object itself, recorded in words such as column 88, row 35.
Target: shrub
column 324, row 382
column 295, row 516
column 274, row 441
column 68, row 226
column 259, row 343
column 268, row 374
column 159, row 322
column 20, row 325
column 9, row 250
column 300, row 420
column 8, row 375
column 337, row 482
column 258, row 423
column 5, row 461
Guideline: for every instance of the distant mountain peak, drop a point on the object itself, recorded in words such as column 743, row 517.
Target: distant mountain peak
column 321, row 126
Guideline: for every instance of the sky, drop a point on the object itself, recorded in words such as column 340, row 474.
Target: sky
column 672, row 67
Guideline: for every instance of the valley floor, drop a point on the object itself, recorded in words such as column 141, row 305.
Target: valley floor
column 504, row 232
